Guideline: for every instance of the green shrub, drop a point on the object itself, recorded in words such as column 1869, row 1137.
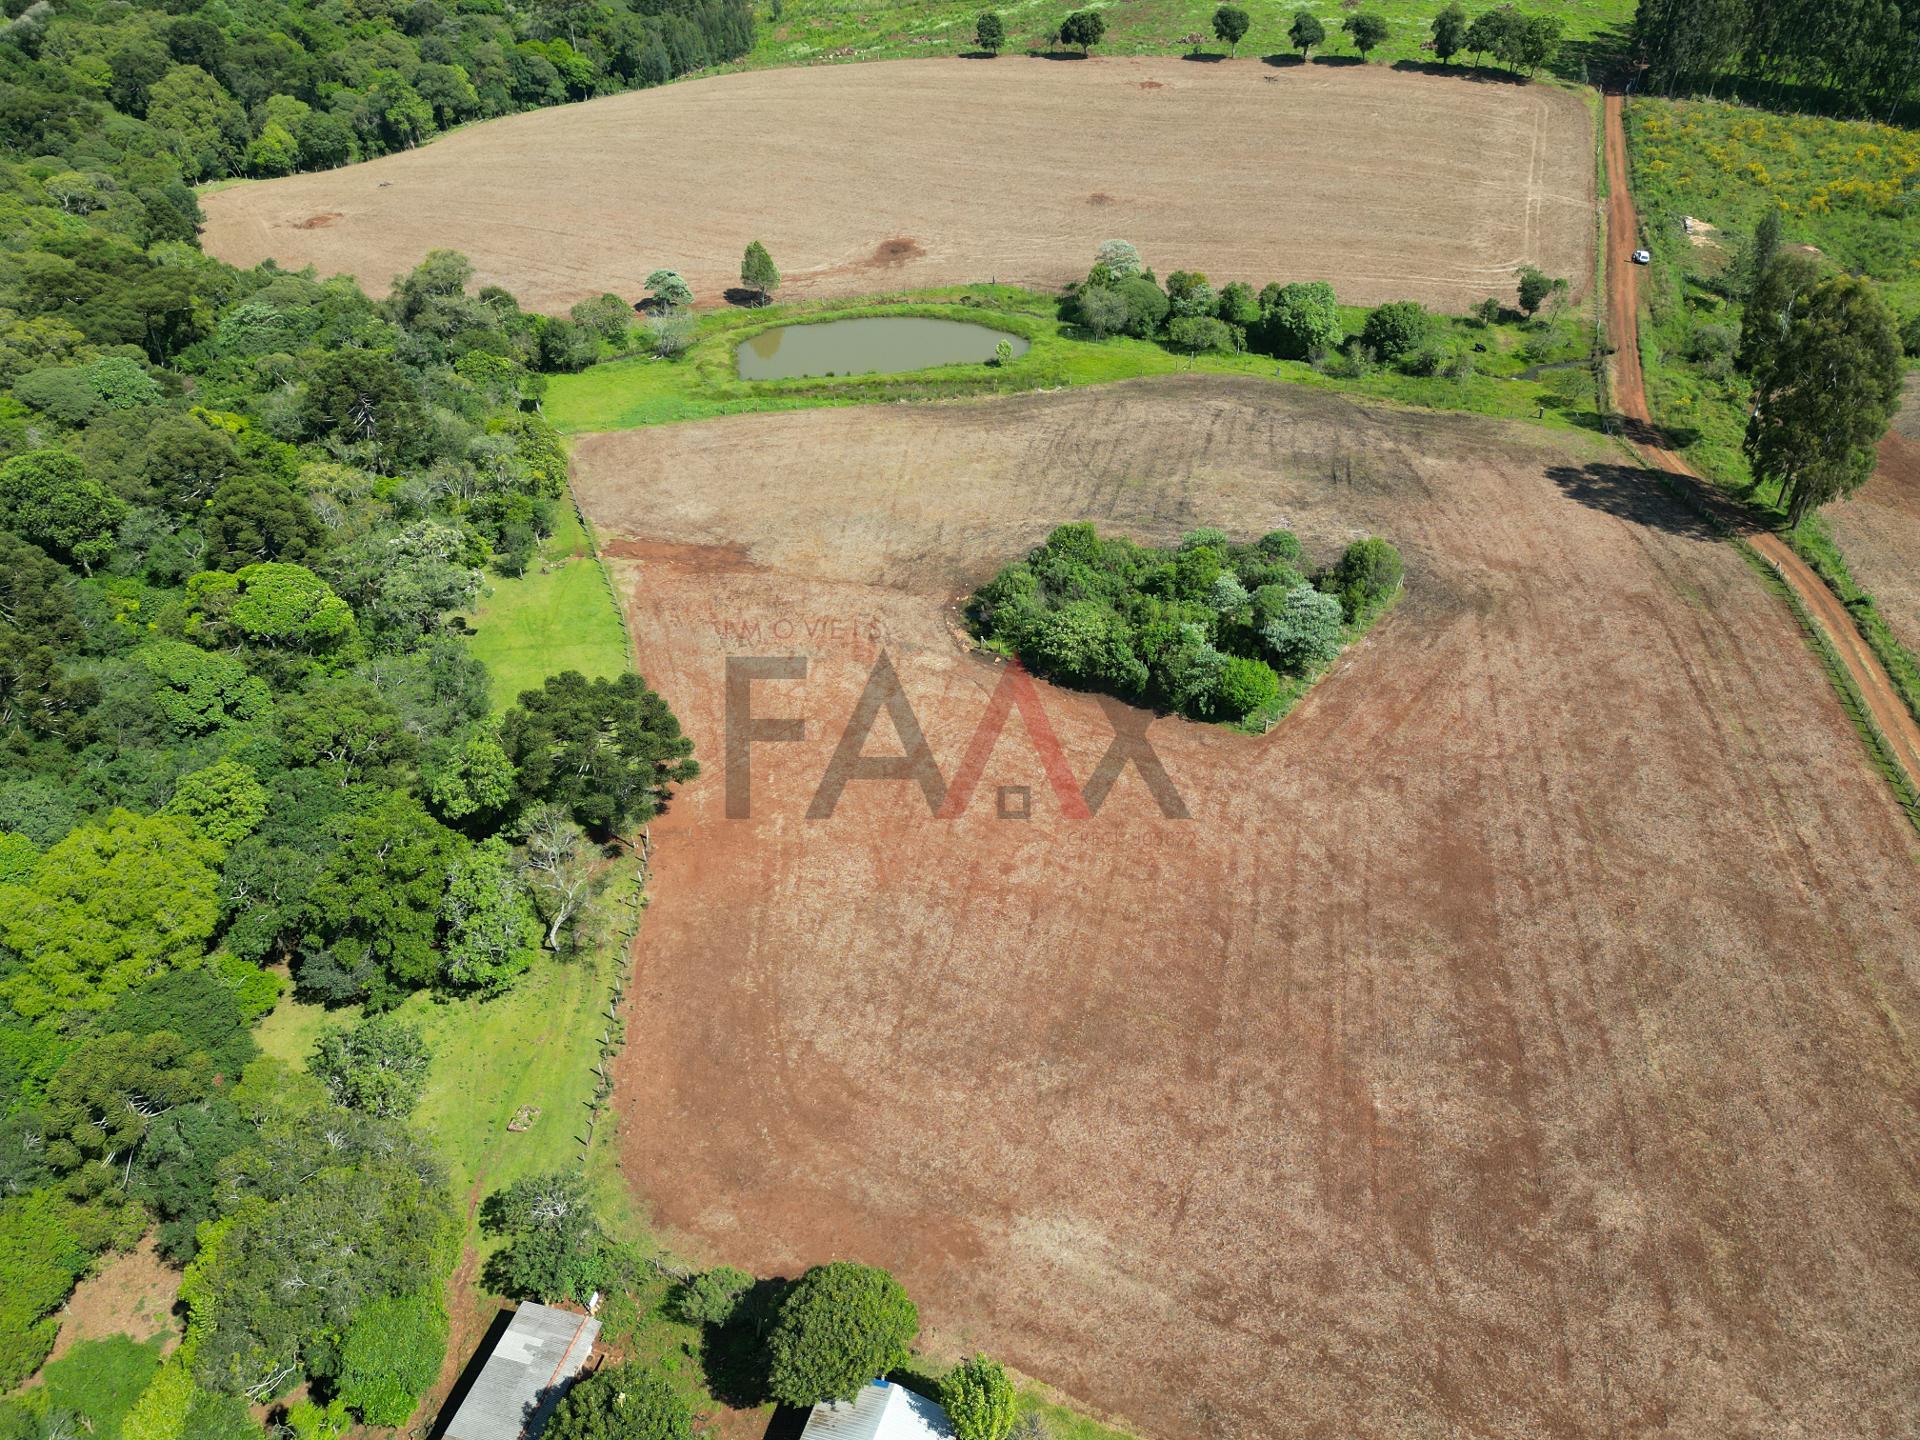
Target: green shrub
column 392, row 1355
column 1247, row 685
column 1367, row 573
column 1298, row 319
column 841, row 1325
column 978, row 1399
column 1306, row 630
column 1395, row 329
column 1147, row 306
column 621, row 1402
column 711, row 1297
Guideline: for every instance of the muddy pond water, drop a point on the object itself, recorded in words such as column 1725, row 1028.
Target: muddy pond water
column 876, row 344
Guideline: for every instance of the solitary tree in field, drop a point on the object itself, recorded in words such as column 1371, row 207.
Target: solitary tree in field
column 989, row 33
column 1535, row 286
column 1449, row 33
column 669, row 289
column 1823, row 395
column 757, row 272
column 1084, row 28
column 1366, row 31
column 1230, row 24
column 1305, row 32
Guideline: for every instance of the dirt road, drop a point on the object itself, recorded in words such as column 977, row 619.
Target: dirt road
column 1896, row 722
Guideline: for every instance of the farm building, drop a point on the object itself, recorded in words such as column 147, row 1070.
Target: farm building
column 881, row 1411
column 525, row 1376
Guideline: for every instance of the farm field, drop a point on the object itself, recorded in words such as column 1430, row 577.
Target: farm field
column 1879, row 526
column 1509, row 1043
column 1014, row 170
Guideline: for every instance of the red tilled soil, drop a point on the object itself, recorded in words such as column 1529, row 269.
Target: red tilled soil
column 1515, row 1042
column 1879, row 525
column 930, row 172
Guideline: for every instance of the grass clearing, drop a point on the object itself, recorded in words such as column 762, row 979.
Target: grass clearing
column 1521, row 373
column 1849, row 187
column 558, row 616
column 99, row 1380
column 801, row 32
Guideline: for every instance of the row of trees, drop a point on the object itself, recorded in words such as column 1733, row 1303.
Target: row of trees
column 1865, row 53
column 1206, row 628
column 1521, row 42
column 1297, row 321
column 289, row 87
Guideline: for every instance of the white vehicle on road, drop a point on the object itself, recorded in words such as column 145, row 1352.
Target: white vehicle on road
column 1642, row 257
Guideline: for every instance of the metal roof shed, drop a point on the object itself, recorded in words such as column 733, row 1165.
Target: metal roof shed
column 881, row 1411
column 525, row 1376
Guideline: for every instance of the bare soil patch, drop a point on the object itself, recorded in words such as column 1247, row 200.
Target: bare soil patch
column 131, row 1294
column 1513, row 1043
column 1390, row 185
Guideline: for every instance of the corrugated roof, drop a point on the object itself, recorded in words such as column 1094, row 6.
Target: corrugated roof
column 881, row 1411
column 525, row 1376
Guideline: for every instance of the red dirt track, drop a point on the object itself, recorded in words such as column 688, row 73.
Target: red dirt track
column 1513, row 1043
column 916, row 173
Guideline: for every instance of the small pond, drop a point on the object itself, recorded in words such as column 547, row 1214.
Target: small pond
column 879, row 343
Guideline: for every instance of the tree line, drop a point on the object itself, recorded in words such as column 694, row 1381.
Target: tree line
column 1865, row 53
column 244, row 745
column 1523, row 43
column 211, row 92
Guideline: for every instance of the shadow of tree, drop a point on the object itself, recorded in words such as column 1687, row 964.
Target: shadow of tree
column 1636, row 495
column 1282, row 62
column 735, row 1354
column 1481, row 74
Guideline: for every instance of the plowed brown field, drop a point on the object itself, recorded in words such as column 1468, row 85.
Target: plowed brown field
column 931, row 172
column 1515, row 1042
column 1879, row 526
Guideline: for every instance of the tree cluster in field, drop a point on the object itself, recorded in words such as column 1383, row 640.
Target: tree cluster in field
column 242, row 736
column 1206, row 628
column 1296, row 321
column 208, row 92
column 1863, row 53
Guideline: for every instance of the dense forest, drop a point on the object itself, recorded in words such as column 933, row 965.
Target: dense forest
column 134, row 96
column 1865, row 54
column 243, row 745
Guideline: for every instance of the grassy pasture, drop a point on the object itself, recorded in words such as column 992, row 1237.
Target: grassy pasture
column 558, row 616
column 1850, row 187
column 624, row 394
column 816, row 31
